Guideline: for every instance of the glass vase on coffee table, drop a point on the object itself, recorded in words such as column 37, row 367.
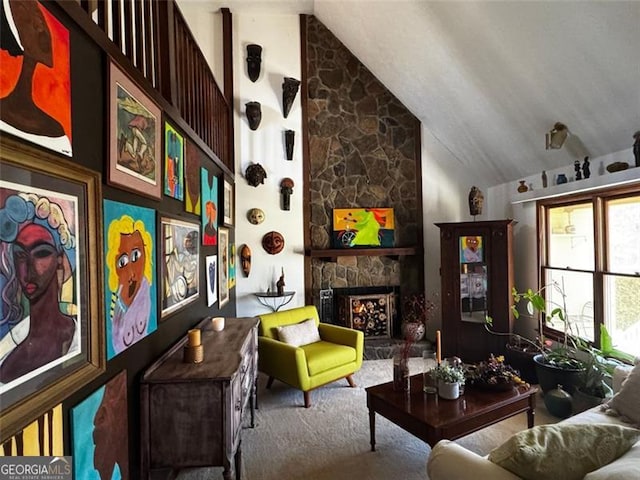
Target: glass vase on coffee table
column 429, row 362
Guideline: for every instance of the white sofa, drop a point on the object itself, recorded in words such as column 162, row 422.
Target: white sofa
column 450, row 461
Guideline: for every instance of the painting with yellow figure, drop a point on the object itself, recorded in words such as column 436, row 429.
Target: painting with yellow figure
column 363, row 227
column 43, row 437
column 471, row 249
column 232, row 266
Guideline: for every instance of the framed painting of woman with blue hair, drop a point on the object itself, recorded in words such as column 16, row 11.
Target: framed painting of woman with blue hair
column 50, row 340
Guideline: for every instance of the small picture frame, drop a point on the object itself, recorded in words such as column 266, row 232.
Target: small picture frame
column 227, row 203
column 223, row 266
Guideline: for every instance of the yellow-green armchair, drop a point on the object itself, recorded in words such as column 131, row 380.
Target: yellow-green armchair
column 337, row 355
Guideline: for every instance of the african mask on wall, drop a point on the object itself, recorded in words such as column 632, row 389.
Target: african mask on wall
column 255, row 174
column 245, row 259
column 289, row 136
column 286, row 189
column 254, row 114
column 254, row 58
column 289, row 92
column 255, row 216
column 273, row 242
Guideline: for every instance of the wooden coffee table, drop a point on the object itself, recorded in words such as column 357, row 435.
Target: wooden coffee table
column 432, row 419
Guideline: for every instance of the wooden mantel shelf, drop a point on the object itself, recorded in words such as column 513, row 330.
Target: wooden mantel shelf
column 332, row 254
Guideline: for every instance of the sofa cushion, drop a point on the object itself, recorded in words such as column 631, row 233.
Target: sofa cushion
column 299, row 334
column 567, row 451
column 626, row 403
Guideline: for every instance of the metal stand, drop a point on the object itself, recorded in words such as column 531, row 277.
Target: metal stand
column 273, row 300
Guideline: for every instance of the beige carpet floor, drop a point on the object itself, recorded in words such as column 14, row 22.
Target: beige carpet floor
column 330, row 440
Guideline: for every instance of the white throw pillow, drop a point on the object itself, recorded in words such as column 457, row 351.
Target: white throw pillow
column 626, row 403
column 299, row 334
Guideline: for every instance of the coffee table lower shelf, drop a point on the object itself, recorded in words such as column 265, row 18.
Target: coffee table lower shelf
column 432, row 419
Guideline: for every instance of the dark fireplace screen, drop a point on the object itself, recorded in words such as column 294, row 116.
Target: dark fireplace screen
column 371, row 314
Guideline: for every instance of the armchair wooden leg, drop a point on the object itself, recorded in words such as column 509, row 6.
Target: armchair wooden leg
column 270, row 382
column 307, row 399
column 350, row 380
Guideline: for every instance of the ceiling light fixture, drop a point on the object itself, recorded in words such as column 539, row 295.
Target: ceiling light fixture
column 556, row 137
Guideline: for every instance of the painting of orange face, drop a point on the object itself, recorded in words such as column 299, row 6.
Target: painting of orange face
column 130, row 263
column 51, row 86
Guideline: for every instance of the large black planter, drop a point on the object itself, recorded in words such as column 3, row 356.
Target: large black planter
column 550, row 376
column 522, row 361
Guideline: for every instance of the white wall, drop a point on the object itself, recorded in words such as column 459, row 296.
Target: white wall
column 279, row 36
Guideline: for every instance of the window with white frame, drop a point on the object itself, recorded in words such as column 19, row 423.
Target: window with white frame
column 590, row 247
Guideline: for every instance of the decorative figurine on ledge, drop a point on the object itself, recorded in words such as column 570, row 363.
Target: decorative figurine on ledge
column 286, row 189
column 576, row 167
column 245, row 259
column 254, row 53
column 255, row 216
column 586, row 172
column 636, row 148
column 289, row 92
column 273, row 242
column 280, row 284
column 476, row 199
column 254, row 114
column 255, row 174
column 289, row 136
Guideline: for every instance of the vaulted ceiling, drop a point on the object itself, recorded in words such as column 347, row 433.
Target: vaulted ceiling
column 488, row 79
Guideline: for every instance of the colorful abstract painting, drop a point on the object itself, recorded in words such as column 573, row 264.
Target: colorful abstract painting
column 180, row 260
column 129, row 275
column 194, row 160
column 209, row 188
column 100, row 433
column 211, row 269
column 35, row 81
column 223, row 265
column 43, row 437
column 173, row 163
column 135, row 154
column 471, row 249
column 363, row 227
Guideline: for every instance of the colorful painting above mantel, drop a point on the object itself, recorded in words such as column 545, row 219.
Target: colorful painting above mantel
column 363, row 227
column 35, row 80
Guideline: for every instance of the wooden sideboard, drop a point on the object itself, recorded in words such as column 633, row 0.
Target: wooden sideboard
column 191, row 413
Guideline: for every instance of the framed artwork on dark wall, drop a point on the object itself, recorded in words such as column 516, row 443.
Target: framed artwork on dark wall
column 180, row 254
column 223, row 266
column 130, row 284
column 135, row 151
column 173, row 163
column 228, row 203
column 35, row 84
column 50, row 214
column 209, row 193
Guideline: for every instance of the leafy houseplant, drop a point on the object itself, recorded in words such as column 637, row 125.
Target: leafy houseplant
column 573, row 361
column 449, row 378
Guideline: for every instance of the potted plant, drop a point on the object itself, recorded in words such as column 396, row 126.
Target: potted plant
column 416, row 310
column 493, row 374
column 450, row 378
column 564, row 363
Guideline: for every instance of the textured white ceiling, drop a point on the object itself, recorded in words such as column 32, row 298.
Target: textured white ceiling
column 488, row 79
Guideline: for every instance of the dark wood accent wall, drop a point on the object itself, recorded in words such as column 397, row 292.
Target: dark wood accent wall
column 203, row 117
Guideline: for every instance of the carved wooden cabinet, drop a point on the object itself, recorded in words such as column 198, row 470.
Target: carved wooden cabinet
column 476, row 272
column 191, row 413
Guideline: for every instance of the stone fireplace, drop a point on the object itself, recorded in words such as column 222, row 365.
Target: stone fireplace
column 364, row 152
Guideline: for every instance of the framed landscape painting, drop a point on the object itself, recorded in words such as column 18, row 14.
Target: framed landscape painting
column 134, row 137
column 130, row 285
column 50, row 214
column 35, row 85
column 180, row 260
